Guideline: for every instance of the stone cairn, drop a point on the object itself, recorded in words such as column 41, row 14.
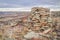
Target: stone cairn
column 40, row 21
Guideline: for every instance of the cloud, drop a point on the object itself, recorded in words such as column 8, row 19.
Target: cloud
column 25, row 3
column 52, row 7
column 8, row 5
column 29, row 3
column 15, row 9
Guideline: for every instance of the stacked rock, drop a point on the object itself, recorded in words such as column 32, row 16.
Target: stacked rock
column 40, row 20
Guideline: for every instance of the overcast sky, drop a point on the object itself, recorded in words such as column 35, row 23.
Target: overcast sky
column 29, row 3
